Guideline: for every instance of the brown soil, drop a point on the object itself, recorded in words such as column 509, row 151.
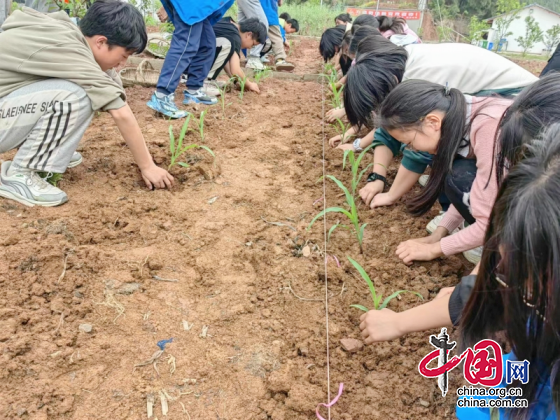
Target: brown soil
column 264, row 352
column 534, row 66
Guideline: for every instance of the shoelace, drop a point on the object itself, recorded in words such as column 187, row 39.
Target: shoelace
column 35, row 180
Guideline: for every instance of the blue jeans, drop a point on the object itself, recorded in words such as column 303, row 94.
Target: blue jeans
column 192, row 52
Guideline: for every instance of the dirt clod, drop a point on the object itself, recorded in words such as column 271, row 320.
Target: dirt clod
column 351, row 345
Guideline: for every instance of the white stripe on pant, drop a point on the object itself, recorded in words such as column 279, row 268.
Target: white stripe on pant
column 46, row 121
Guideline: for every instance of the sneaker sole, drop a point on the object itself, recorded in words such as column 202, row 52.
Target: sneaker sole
column 431, row 228
column 75, row 163
column 285, row 67
column 194, row 101
column 160, row 112
column 30, row 203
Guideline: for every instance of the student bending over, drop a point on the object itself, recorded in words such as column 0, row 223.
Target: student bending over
column 231, row 37
column 516, row 289
column 53, row 77
column 459, row 131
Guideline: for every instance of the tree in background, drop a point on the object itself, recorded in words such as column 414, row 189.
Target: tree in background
column 508, row 11
column 477, row 28
column 533, row 34
column 552, row 39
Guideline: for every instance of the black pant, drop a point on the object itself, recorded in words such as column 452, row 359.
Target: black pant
column 458, row 186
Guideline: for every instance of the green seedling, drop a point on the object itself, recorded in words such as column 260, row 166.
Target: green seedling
column 176, row 146
column 223, row 91
column 337, row 97
column 242, row 81
column 341, row 128
column 201, row 125
column 352, row 215
column 350, row 156
column 51, row 178
column 262, row 74
column 376, row 298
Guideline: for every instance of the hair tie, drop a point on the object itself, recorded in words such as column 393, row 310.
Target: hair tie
column 447, row 89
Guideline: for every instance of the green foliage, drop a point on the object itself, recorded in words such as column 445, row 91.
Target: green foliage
column 75, row 8
column 232, row 11
column 176, row 147
column 337, row 96
column 313, row 19
column 352, row 215
column 477, row 28
column 259, row 75
column 201, row 124
column 341, row 128
column 354, row 161
column 552, row 38
column 242, row 81
column 223, row 92
column 16, row 6
column 533, row 34
column 51, row 178
column 510, row 10
column 376, row 298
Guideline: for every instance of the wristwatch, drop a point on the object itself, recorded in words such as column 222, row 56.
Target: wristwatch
column 376, row 177
column 356, row 145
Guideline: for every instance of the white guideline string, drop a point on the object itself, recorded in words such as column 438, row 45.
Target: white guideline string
column 325, row 243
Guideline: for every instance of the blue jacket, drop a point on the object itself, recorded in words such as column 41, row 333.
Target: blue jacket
column 195, row 11
column 270, row 8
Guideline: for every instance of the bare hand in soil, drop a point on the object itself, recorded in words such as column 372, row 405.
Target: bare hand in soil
column 253, row 87
column 370, row 190
column 419, row 250
column 162, row 15
column 335, row 114
column 380, row 326
column 382, row 200
column 156, row 177
column 335, row 141
column 346, row 147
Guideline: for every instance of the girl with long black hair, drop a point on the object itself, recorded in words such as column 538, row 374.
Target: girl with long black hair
column 459, row 131
column 516, row 289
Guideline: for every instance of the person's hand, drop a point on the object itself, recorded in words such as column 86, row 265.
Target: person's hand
column 334, row 114
column 382, row 200
column 252, row 86
column 417, row 250
column 335, row 141
column 347, row 146
column 287, row 45
column 156, row 177
column 280, row 3
column 380, row 325
column 370, row 190
column 162, row 15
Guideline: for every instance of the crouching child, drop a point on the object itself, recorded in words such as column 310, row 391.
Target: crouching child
column 53, row 77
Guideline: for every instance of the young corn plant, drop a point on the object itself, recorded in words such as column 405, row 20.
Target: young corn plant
column 201, row 124
column 176, row 145
column 51, row 178
column 350, row 156
column 376, row 298
column 242, row 81
column 351, row 214
column 337, row 97
column 223, row 91
column 341, row 128
column 262, row 74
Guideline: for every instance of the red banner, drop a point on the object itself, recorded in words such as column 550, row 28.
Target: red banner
column 405, row 14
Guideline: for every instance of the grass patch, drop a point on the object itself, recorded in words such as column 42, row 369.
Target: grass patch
column 313, row 19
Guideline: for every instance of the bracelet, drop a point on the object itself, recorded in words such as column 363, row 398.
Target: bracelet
column 356, row 145
column 376, row 177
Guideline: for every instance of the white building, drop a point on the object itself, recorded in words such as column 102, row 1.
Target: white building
column 546, row 19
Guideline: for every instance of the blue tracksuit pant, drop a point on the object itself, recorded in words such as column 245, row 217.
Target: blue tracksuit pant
column 192, row 52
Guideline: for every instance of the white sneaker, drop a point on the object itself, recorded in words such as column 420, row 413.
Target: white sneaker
column 255, row 63
column 423, row 180
column 265, row 59
column 26, row 187
column 283, row 65
column 473, row 255
column 434, row 223
column 210, row 89
column 75, row 160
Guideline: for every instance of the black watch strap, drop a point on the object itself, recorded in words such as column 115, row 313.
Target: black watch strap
column 376, row 177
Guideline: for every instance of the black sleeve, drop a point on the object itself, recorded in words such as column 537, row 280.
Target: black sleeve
column 459, row 298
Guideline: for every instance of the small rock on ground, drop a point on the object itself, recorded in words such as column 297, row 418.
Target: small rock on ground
column 87, row 328
column 351, row 345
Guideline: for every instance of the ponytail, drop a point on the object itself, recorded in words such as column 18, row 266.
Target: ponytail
column 406, row 106
column 391, row 24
